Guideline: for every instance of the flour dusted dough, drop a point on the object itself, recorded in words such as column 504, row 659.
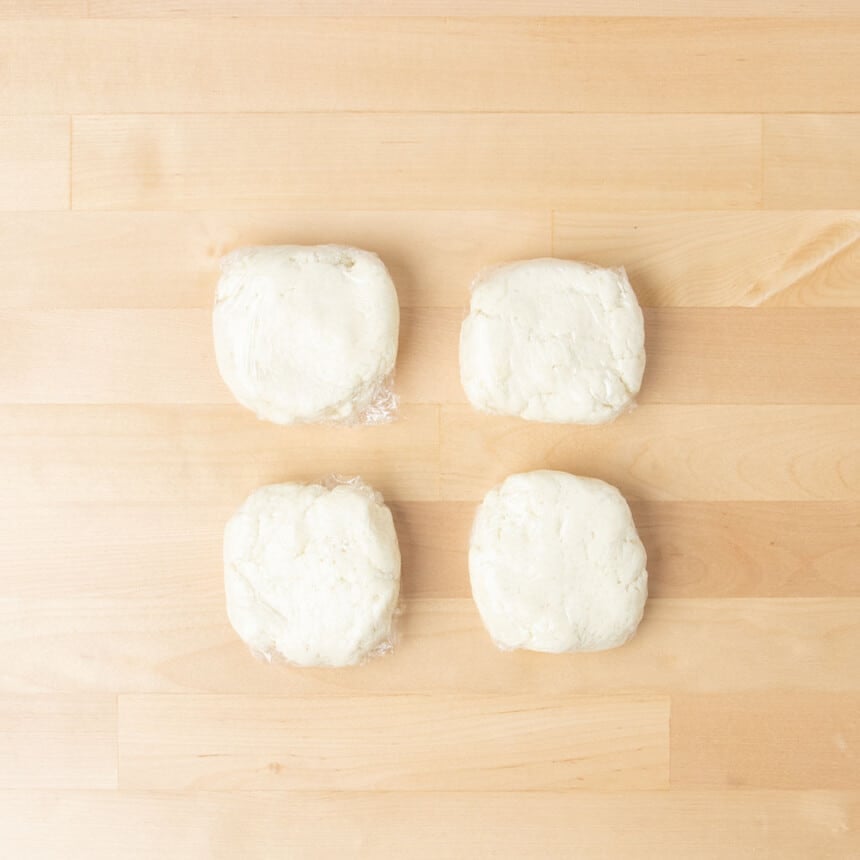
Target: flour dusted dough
column 312, row 574
column 556, row 564
column 305, row 334
column 553, row 340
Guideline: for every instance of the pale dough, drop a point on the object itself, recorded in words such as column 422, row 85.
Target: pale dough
column 553, row 340
column 312, row 575
column 556, row 564
column 306, row 334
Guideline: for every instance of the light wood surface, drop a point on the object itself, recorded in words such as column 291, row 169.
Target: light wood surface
column 427, row 160
column 709, row 147
column 478, row 65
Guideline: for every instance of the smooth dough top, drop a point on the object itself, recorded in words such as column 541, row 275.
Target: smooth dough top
column 312, row 575
column 556, row 564
column 305, row 333
column 553, row 340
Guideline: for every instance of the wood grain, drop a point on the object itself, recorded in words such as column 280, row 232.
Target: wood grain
column 222, row 452
column 709, row 356
column 171, row 259
column 44, row 8
column 782, row 740
column 810, row 160
column 257, row 825
column 58, row 741
column 695, row 550
column 173, row 548
column 722, row 259
column 710, row 148
column 750, row 549
column 151, row 644
column 705, row 549
column 737, row 355
column 440, row 161
column 701, row 453
column 202, row 455
column 34, row 163
column 394, row 743
column 484, row 64
column 601, row 8
column 177, row 548
column 674, row 259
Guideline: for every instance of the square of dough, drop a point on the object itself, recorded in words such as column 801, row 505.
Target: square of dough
column 553, row 340
column 307, row 333
column 312, row 574
column 556, row 564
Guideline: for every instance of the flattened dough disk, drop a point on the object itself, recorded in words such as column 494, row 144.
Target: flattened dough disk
column 306, row 334
column 556, row 564
column 312, row 575
column 553, row 340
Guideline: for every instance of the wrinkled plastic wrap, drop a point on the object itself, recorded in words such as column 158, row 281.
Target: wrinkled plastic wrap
column 610, row 397
column 382, row 408
column 310, row 586
column 308, row 334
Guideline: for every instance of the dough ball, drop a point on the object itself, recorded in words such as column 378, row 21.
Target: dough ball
column 556, row 564
column 305, row 334
column 312, row 574
column 553, row 340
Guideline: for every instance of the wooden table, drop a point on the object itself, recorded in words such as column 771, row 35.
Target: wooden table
column 715, row 157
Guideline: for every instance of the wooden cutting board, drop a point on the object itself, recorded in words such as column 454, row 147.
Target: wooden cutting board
column 715, row 157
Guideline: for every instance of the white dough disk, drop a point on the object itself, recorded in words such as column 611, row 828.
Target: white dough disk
column 556, row 564
column 306, row 334
column 312, row 575
column 553, row 340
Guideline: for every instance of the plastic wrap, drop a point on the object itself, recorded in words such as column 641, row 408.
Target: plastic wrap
column 308, row 334
column 528, row 350
column 382, row 408
column 312, row 573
